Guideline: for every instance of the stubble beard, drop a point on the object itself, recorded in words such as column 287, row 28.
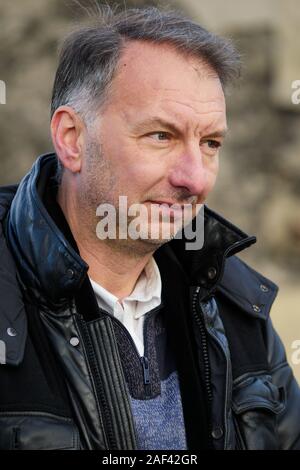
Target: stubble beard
column 100, row 187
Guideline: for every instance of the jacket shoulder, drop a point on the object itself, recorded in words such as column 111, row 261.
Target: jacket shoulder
column 7, row 194
column 247, row 288
column 12, row 309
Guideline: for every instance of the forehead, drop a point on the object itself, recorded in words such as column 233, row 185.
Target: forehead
column 152, row 77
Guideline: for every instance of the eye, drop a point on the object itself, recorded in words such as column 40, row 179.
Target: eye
column 160, row 136
column 212, row 146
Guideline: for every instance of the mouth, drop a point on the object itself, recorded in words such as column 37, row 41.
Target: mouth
column 169, row 209
column 169, row 203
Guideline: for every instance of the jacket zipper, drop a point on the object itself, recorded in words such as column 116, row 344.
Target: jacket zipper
column 146, row 374
column 205, row 356
column 143, row 359
column 228, row 384
column 104, row 411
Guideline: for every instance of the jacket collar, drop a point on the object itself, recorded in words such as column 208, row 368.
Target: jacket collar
column 49, row 266
column 33, row 236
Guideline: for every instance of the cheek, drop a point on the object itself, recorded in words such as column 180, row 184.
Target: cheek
column 212, row 174
column 128, row 161
column 211, row 183
column 138, row 181
column 139, row 174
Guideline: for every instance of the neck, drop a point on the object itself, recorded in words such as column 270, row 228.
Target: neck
column 114, row 269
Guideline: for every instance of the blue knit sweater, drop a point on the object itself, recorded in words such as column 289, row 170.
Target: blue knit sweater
column 153, row 386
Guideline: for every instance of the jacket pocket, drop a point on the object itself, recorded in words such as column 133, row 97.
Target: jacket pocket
column 256, row 404
column 37, row 431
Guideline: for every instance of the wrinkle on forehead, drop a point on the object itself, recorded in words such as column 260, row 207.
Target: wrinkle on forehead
column 185, row 114
column 174, row 100
column 207, row 106
column 194, row 111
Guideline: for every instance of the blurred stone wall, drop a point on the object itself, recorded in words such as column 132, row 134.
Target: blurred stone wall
column 259, row 182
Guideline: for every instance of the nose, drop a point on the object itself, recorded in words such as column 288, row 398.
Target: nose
column 189, row 172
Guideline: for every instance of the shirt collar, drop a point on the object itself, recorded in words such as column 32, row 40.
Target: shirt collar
column 147, row 291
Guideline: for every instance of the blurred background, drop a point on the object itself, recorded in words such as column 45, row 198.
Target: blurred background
column 259, row 183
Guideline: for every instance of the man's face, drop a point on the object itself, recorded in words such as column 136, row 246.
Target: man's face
column 158, row 136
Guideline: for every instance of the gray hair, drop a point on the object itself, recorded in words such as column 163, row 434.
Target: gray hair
column 89, row 55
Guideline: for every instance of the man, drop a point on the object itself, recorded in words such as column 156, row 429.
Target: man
column 136, row 342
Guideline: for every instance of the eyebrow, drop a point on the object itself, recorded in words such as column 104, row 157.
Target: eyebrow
column 158, row 121
column 219, row 133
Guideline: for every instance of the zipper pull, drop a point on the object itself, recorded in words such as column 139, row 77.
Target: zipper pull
column 145, row 364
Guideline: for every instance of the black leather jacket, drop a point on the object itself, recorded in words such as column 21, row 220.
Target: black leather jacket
column 59, row 394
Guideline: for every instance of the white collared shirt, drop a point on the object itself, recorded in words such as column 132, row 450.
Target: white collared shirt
column 131, row 311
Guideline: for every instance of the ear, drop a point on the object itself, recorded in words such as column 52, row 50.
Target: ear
column 67, row 132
